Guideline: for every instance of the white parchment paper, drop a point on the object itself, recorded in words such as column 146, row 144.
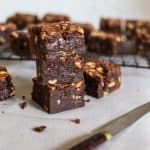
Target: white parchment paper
column 16, row 124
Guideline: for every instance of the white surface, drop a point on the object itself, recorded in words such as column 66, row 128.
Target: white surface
column 16, row 124
column 79, row 10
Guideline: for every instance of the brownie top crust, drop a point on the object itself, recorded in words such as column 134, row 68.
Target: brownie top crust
column 52, row 18
column 62, row 37
column 62, row 29
column 86, row 26
column 111, row 21
column 104, row 35
column 100, row 69
column 22, row 20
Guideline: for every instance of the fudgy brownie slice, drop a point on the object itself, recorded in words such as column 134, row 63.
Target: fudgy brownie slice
column 143, row 41
column 88, row 28
column 104, row 43
column 19, row 43
column 101, row 78
column 111, row 25
column 56, row 38
column 133, row 25
column 53, row 18
column 62, row 69
column 23, row 20
column 5, row 30
column 57, row 98
column 6, row 86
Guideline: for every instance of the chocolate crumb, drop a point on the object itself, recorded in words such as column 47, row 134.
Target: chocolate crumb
column 23, row 105
column 39, row 129
column 3, row 112
column 23, row 97
column 87, row 100
column 77, row 121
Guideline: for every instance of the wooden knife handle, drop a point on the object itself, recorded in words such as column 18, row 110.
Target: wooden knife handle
column 93, row 141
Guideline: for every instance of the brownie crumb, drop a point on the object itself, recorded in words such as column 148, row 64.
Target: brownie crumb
column 23, row 97
column 23, row 105
column 77, row 121
column 87, row 100
column 3, row 112
column 39, row 129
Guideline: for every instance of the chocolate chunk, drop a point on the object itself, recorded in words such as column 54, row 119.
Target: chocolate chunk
column 23, row 105
column 39, row 128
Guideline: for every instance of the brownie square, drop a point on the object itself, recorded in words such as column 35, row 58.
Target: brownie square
column 56, row 38
column 53, row 18
column 133, row 25
column 143, row 41
column 111, row 25
column 88, row 28
column 59, row 98
column 101, row 78
column 5, row 30
column 104, row 43
column 19, row 43
column 62, row 69
column 7, row 88
column 22, row 20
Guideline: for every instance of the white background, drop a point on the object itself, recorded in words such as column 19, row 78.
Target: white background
column 79, row 10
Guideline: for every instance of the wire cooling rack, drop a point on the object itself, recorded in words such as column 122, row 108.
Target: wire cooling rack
column 123, row 60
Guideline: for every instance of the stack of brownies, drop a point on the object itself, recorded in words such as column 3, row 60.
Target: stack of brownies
column 59, row 84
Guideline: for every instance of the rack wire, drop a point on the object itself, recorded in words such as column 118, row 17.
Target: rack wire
column 123, row 60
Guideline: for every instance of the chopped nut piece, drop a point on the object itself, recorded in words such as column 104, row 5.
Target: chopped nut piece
column 91, row 64
column 105, row 93
column 78, row 64
column 79, row 84
column 52, row 82
column 58, row 101
column 111, row 84
column 45, row 108
column 99, row 69
column 14, row 34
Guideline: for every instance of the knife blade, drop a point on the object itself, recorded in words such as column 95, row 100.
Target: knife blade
column 105, row 132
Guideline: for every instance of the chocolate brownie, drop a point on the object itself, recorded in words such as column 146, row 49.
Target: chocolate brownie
column 5, row 30
column 62, row 69
column 133, row 25
column 23, row 20
column 53, row 18
column 19, row 43
column 143, row 41
column 111, row 25
column 56, row 38
column 101, row 78
column 88, row 28
column 6, row 86
column 104, row 43
column 58, row 98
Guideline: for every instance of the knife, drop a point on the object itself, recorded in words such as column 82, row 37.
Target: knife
column 111, row 128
